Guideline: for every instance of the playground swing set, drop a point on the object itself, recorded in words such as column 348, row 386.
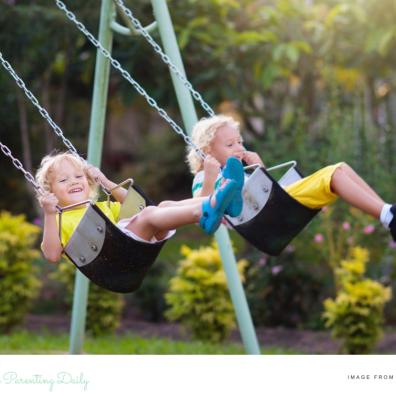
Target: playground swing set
column 118, row 263
column 109, row 258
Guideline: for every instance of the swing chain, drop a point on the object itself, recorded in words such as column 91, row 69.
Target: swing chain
column 21, row 84
column 47, row 117
column 116, row 64
column 28, row 176
column 165, row 58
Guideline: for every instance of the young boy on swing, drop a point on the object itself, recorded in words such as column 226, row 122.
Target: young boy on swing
column 67, row 180
column 219, row 138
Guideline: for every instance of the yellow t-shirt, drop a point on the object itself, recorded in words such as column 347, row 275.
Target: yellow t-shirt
column 71, row 218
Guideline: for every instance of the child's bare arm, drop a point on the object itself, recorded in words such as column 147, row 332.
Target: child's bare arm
column 212, row 169
column 51, row 245
column 119, row 193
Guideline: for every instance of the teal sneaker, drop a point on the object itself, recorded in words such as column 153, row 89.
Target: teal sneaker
column 234, row 170
column 212, row 215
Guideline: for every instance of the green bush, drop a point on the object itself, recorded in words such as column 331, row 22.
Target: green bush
column 104, row 307
column 18, row 281
column 150, row 297
column 356, row 314
column 198, row 294
column 284, row 292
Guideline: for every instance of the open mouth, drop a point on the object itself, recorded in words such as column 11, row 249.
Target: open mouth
column 75, row 190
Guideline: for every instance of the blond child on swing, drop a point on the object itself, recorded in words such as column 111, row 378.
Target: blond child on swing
column 219, row 138
column 68, row 180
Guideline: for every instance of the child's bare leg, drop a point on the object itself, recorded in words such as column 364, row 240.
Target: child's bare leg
column 156, row 221
column 356, row 192
column 189, row 201
column 357, row 179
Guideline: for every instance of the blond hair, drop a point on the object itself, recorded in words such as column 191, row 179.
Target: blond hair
column 202, row 136
column 45, row 172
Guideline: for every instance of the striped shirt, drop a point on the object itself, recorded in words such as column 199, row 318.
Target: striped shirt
column 197, row 183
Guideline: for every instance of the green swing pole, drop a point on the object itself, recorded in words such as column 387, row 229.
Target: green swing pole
column 162, row 16
column 95, row 144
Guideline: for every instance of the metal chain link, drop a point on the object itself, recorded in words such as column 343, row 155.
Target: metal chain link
column 21, row 84
column 116, row 64
column 47, row 117
column 28, row 176
column 36, row 103
column 165, row 58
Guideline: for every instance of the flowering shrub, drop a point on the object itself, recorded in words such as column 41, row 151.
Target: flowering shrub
column 284, row 292
column 18, row 280
column 356, row 314
column 340, row 231
column 335, row 231
column 198, row 295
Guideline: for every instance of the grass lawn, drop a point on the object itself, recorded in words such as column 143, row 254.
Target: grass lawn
column 23, row 342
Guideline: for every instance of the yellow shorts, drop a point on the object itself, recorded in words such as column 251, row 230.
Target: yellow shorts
column 314, row 191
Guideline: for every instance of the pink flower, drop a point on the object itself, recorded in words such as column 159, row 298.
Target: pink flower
column 350, row 241
column 275, row 270
column 369, row 229
column 318, row 238
column 346, row 226
column 37, row 221
column 392, row 244
column 324, row 209
column 262, row 261
column 290, row 249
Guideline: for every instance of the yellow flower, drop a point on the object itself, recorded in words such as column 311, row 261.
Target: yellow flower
column 360, row 254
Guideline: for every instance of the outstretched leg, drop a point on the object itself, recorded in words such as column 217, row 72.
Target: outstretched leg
column 184, row 202
column 358, row 180
column 347, row 184
column 156, row 221
column 353, row 189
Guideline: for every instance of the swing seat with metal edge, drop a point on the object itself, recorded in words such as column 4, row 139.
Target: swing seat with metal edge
column 106, row 255
column 270, row 217
column 97, row 247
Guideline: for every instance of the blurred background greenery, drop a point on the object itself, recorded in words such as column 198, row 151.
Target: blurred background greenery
column 310, row 80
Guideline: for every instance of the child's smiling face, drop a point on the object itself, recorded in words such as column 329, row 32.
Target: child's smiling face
column 226, row 143
column 69, row 183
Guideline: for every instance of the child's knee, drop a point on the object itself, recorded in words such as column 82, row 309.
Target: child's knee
column 146, row 213
column 343, row 167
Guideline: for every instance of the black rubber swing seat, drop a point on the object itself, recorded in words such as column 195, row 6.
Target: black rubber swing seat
column 270, row 217
column 108, row 257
